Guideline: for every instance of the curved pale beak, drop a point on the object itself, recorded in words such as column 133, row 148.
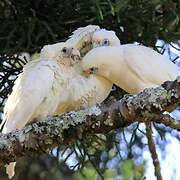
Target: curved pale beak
column 75, row 54
column 96, row 44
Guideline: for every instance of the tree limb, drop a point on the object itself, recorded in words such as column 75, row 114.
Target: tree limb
column 41, row 137
column 152, row 149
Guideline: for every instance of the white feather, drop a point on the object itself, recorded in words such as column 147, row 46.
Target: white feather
column 131, row 67
column 49, row 86
column 100, row 35
column 36, row 94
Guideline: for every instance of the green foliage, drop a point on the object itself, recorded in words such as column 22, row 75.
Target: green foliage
column 87, row 174
column 91, row 174
column 28, row 26
column 109, row 174
column 127, row 169
column 131, row 170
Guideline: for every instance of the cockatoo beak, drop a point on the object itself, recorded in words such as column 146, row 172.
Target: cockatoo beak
column 70, row 56
column 96, row 44
column 91, row 70
column 87, row 71
column 75, row 52
column 75, row 55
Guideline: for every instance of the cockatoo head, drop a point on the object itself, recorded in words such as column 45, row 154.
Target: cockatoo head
column 82, row 38
column 95, row 62
column 104, row 37
column 79, row 43
column 62, row 52
column 69, row 55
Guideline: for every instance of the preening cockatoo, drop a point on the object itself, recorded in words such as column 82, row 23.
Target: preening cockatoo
column 52, row 85
column 83, row 90
column 131, row 67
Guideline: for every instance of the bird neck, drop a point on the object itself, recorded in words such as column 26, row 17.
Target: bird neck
column 78, row 68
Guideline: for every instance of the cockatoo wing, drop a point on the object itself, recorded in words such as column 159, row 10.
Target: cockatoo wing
column 30, row 89
column 147, row 68
column 150, row 66
column 88, row 91
column 102, row 87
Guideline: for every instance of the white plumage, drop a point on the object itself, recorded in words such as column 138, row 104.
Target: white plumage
column 131, row 67
column 52, row 85
column 36, row 94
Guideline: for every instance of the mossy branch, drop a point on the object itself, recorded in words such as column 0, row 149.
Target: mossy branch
column 41, row 137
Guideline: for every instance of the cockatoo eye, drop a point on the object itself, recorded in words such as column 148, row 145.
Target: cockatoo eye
column 105, row 42
column 93, row 70
column 65, row 51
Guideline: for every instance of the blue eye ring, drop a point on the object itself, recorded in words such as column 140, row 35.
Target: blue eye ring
column 105, row 42
column 65, row 51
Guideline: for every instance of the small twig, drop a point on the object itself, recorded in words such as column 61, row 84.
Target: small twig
column 167, row 120
column 174, row 60
column 118, row 151
column 152, row 150
column 124, row 136
column 133, row 135
column 144, row 133
column 174, row 47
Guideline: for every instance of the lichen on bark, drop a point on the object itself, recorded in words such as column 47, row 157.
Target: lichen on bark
column 42, row 136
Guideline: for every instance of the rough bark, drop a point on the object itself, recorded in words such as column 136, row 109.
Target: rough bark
column 152, row 149
column 42, row 136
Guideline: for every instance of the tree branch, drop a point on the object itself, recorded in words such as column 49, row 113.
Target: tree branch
column 41, row 137
column 152, row 149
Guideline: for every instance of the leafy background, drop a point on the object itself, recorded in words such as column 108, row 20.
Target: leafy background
column 26, row 26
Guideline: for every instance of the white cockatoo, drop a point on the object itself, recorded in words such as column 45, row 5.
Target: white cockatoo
column 83, row 90
column 52, row 85
column 131, row 67
column 37, row 93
